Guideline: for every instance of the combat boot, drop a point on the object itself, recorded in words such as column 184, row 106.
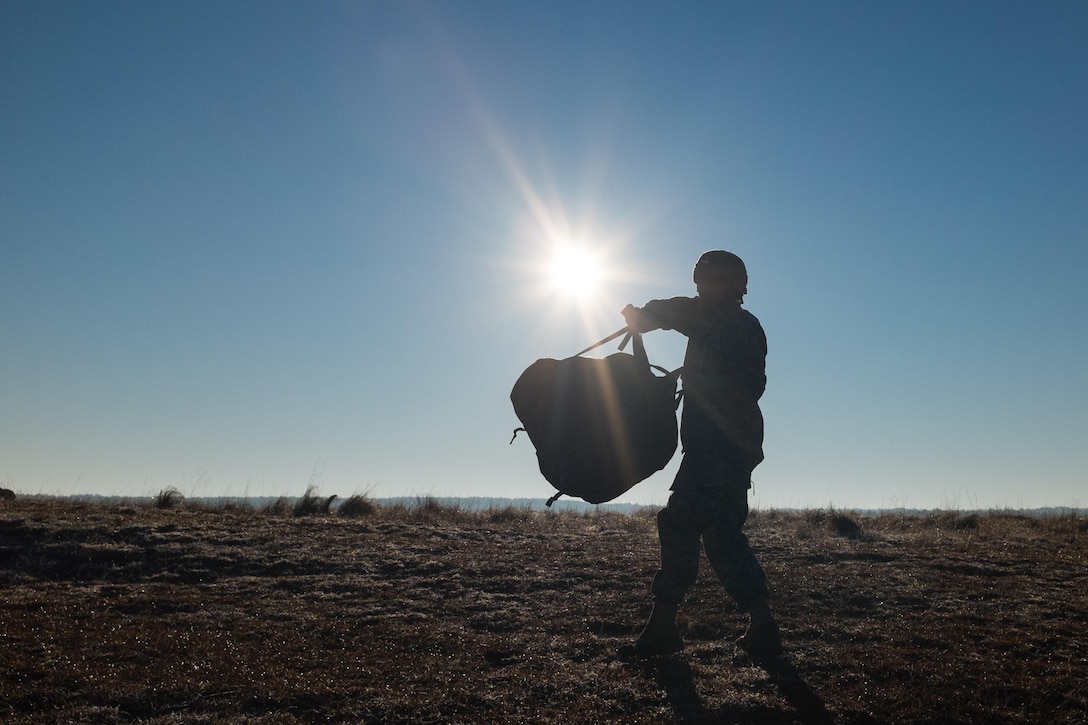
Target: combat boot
column 660, row 636
column 763, row 638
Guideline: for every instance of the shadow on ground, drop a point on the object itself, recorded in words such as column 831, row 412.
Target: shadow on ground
column 674, row 675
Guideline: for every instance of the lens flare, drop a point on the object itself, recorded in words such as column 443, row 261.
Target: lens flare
column 575, row 271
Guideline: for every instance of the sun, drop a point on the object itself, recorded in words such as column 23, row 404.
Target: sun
column 575, row 271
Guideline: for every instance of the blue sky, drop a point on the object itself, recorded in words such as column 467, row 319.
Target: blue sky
column 247, row 246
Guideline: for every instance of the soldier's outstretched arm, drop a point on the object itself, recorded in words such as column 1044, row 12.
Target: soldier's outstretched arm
column 675, row 313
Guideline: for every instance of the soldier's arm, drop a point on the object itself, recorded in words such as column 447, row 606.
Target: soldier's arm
column 675, row 313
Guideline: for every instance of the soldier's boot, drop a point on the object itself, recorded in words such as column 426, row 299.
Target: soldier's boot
column 661, row 635
column 763, row 638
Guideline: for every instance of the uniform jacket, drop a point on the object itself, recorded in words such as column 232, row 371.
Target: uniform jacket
column 724, row 375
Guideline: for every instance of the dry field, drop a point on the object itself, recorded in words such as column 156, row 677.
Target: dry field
column 184, row 614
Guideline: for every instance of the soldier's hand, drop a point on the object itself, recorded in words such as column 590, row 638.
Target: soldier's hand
column 633, row 316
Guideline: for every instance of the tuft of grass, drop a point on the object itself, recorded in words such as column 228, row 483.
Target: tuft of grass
column 311, row 504
column 965, row 523
column 280, row 507
column 632, row 523
column 231, row 507
column 429, row 509
column 169, row 498
column 817, row 520
column 844, row 525
column 508, row 514
column 357, row 506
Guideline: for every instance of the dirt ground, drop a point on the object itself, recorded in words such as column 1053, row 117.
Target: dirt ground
column 189, row 614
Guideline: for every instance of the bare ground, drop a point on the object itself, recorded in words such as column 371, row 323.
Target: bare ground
column 126, row 613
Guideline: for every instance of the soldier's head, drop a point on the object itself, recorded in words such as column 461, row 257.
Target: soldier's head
column 721, row 275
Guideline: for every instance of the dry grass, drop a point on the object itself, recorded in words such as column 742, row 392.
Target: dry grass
column 311, row 504
column 182, row 614
column 356, row 507
column 169, row 498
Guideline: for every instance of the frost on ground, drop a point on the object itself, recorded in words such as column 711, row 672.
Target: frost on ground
column 193, row 614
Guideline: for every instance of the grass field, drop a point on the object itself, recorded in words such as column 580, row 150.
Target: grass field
column 171, row 612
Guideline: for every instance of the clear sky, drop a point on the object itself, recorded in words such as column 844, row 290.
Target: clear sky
column 246, row 246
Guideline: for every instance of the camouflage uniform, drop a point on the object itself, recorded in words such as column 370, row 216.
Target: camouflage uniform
column 721, row 430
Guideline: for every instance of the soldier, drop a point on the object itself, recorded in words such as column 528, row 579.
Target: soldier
column 721, row 430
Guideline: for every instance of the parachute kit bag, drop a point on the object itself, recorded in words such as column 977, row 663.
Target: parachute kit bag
column 599, row 425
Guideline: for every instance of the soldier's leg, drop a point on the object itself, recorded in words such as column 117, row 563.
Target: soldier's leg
column 692, row 507
column 739, row 571
column 679, row 527
column 731, row 555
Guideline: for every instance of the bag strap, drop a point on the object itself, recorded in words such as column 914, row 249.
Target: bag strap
column 639, row 349
column 610, row 338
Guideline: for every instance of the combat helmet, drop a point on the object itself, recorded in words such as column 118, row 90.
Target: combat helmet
column 724, row 267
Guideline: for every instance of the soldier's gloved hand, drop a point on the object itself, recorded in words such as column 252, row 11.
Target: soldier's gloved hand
column 633, row 315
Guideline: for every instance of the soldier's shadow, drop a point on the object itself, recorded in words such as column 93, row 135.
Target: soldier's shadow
column 792, row 686
column 675, row 677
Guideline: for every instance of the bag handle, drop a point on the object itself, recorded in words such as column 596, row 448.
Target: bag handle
column 610, row 338
column 639, row 350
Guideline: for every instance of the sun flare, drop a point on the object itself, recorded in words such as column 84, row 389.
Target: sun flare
column 575, row 272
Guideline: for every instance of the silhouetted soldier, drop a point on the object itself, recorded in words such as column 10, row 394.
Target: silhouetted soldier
column 721, row 430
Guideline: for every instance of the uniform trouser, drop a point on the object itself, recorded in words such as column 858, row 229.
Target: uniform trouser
column 709, row 502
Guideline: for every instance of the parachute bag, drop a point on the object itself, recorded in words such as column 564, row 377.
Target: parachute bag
column 599, row 425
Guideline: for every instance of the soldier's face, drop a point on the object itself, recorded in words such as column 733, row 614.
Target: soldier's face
column 714, row 290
